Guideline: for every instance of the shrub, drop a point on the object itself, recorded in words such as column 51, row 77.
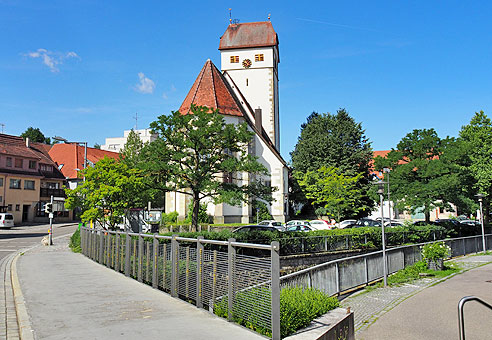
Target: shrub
column 203, row 216
column 263, row 213
column 435, row 251
column 74, row 243
column 169, row 218
column 298, row 307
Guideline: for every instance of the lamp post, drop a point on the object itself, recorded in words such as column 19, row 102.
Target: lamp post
column 480, row 200
column 381, row 200
column 387, row 171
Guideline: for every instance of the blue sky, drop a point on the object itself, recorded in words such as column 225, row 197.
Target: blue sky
column 82, row 69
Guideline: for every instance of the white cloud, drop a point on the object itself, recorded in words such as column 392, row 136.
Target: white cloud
column 146, row 85
column 51, row 59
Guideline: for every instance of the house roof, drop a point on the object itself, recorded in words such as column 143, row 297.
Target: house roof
column 211, row 89
column 72, row 157
column 16, row 146
column 251, row 34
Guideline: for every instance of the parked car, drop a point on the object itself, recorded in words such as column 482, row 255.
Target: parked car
column 366, row 222
column 393, row 224
column 296, row 222
column 421, row 223
column 345, row 224
column 299, row 227
column 272, row 223
column 472, row 223
column 249, row 228
column 321, row 224
column 6, row 220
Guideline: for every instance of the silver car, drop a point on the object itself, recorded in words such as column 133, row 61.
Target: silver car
column 271, row 223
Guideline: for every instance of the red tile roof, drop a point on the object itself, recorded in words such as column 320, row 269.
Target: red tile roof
column 212, row 90
column 251, row 34
column 72, row 157
column 16, row 146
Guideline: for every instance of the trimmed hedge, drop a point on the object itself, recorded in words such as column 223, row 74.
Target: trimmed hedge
column 74, row 243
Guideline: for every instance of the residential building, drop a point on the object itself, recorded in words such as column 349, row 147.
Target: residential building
column 116, row 144
column 28, row 179
column 249, row 79
column 69, row 158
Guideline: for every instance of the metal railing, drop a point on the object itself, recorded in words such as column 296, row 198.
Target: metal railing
column 220, row 276
column 341, row 275
column 461, row 316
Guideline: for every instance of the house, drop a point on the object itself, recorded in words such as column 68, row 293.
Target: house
column 69, row 158
column 245, row 90
column 116, row 144
column 28, row 179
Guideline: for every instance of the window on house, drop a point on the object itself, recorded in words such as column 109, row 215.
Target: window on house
column 227, row 177
column 19, row 162
column 1, row 182
column 259, row 57
column 32, row 164
column 9, row 161
column 1, row 199
column 17, row 207
column 234, row 58
column 9, row 207
column 15, row 183
column 28, row 185
column 44, row 167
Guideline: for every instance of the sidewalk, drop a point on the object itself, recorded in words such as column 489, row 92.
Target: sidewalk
column 424, row 310
column 70, row 297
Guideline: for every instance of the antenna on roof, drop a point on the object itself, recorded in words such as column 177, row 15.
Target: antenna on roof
column 136, row 120
column 269, row 15
column 2, row 125
column 230, row 15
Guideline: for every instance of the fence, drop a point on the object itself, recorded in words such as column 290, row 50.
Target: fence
column 344, row 274
column 212, row 274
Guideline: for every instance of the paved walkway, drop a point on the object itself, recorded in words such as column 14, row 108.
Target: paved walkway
column 70, row 297
column 401, row 313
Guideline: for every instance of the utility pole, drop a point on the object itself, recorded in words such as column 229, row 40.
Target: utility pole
column 51, row 223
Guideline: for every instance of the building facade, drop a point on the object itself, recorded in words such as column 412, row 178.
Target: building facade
column 245, row 91
column 28, row 179
column 116, row 144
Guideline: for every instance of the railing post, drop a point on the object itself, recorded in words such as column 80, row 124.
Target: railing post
column 101, row 246
column 140, row 257
column 118, row 250
column 127, row 254
column 347, row 242
column 108, row 250
column 275, row 268
column 199, row 272
column 337, row 278
column 147, row 262
column 164, row 266
column 155, row 263
column 326, row 243
column 231, row 258
column 464, row 247
column 366, row 271
column 174, row 266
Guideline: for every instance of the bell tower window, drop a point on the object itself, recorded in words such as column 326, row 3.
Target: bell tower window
column 234, row 58
column 259, row 57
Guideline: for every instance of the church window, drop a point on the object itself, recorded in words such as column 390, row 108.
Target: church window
column 246, row 81
column 259, row 57
column 234, row 58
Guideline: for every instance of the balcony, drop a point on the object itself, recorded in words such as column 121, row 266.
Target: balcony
column 45, row 192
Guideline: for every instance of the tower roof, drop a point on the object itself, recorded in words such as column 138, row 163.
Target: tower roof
column 251, row 34
column 211, row 89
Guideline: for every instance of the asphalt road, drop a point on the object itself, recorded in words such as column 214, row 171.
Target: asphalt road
column 17, row 238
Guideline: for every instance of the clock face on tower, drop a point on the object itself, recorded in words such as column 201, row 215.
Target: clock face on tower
column 247, row 63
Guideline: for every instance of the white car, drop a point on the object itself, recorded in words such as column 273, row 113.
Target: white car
column 296, row 222
column 6, row 220
column 271, row 223
column 345, row 223
column 321, row 224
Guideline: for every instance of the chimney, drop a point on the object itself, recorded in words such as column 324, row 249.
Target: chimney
column 28, row 144
column 258, row 118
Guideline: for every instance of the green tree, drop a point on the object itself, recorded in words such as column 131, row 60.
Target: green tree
column 35, row 135
column 338, row 194
column 425, row 172
column 109, row 190
column 477, row 145
column 335, row 140
column 201, row 156
column 130, row 154
column 97, row 146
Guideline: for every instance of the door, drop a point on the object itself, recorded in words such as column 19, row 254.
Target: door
column 25, row 212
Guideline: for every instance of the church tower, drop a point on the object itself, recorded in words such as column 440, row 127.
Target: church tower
column 250, row 55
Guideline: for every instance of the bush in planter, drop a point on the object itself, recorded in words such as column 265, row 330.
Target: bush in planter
column 435, row 253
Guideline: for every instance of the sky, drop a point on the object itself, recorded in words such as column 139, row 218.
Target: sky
column 84, row 69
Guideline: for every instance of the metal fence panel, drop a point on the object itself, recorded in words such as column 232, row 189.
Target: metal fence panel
column 352, row 273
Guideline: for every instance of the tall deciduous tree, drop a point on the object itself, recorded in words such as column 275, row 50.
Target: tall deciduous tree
column 335, row 140
column 477, row 143
column 336, row 192
column 202, row 156
column 35, row 135
column 109, row 190
column 425, row 172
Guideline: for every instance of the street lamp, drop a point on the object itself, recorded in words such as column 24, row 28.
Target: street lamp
column 387, row 171
column 480, row 200
column 381, row 200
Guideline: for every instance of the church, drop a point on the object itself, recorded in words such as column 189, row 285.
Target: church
column 244, row 90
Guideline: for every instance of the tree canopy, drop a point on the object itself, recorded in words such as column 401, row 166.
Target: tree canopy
column 335, row 141
column 199, row 155
column 35, row 135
